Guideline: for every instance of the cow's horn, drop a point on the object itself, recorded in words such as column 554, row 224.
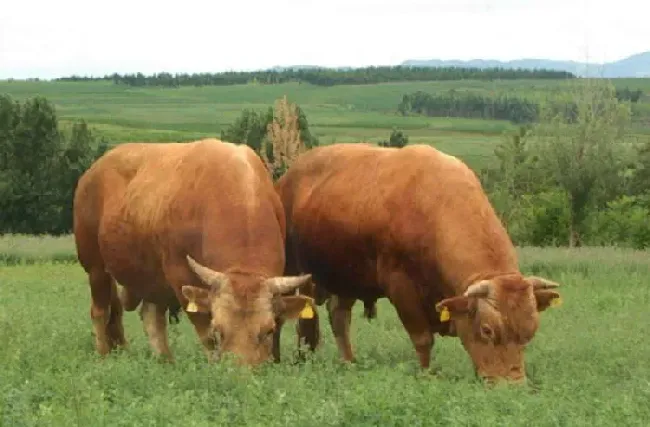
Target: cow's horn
column 284, row 284
column 541, row 283
column 212, row 278
column 479, row 289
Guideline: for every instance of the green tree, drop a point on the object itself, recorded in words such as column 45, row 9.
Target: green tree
column 81, row 149
column 584, row 154
column 397, row 139
column 39, row 167
column 249, row 128
column 641, row 179
column 253, row 129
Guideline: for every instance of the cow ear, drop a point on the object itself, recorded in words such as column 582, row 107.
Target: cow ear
column 297, row 307
column 454, row 306
column 546, row 298
column 198, row 299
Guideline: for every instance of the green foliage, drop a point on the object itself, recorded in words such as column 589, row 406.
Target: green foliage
column 583, row 370
column 541, row 219
column 641, row 176
column 625, row 222
column 324, row 76
column 584, row 154
column 251, row 128
column 581, row 155
column 626, row 94
column 397, row 139
column 40, row 166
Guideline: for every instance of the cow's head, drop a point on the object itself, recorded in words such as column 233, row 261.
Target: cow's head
column 244, row 309
column 496, row 318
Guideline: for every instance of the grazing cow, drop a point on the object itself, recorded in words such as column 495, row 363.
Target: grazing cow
column 413, row 225
column 196, row 225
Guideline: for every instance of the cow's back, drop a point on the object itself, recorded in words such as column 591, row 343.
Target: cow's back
column 101, row 188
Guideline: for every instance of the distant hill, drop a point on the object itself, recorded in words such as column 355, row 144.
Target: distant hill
column 633, row 66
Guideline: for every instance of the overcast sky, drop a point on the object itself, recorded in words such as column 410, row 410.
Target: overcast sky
column 52, row 38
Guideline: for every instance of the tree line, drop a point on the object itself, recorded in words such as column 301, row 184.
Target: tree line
column 326, row 76
column 500, row 106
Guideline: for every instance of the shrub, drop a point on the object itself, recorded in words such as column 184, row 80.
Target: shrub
column 625, row 222
column 397, row 139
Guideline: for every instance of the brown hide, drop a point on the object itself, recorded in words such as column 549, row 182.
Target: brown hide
column 413, row 225
column 179, row 223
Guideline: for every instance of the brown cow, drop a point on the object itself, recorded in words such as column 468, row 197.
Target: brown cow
column 413, row 225
column 193, row 224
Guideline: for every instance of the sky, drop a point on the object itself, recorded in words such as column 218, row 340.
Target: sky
column 49, row 39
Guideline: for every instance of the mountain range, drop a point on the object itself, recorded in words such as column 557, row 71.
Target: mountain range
column 637, row 65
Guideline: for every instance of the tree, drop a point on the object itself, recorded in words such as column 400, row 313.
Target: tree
column 249, row 128
column 397, row 139
column 284, row 141
column 641, row 178
column 39, row 167
column 280, row 130
column 583, row 154
column 80, row 151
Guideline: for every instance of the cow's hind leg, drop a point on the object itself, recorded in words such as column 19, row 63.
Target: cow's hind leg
column 340, row 317
column 105, row 311
column 155, row 325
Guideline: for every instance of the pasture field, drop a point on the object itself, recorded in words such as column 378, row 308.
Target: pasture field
column 588, row 365
column 336, row 114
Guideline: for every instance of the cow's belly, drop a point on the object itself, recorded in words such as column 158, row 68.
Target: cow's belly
column 133, row 262
column 343, row 271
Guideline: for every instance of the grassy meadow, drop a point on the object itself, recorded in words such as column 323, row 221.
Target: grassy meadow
column 587, row 364
column 336, row 114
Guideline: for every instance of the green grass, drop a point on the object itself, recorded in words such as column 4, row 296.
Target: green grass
column 588, row 363
column 29, row 249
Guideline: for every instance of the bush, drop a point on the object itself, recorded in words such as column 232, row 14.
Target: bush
column 397, row 139
column 540, row 219
column 625, row 222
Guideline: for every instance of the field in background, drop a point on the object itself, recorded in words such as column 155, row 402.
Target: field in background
column 335, row 114
column 587, row 364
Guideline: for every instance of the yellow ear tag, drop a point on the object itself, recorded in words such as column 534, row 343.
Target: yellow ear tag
column 556, row 302
column 444, row 314
column 307, row 312
column 192, row 307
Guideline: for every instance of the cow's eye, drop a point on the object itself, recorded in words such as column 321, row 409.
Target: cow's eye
column 487, row 331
